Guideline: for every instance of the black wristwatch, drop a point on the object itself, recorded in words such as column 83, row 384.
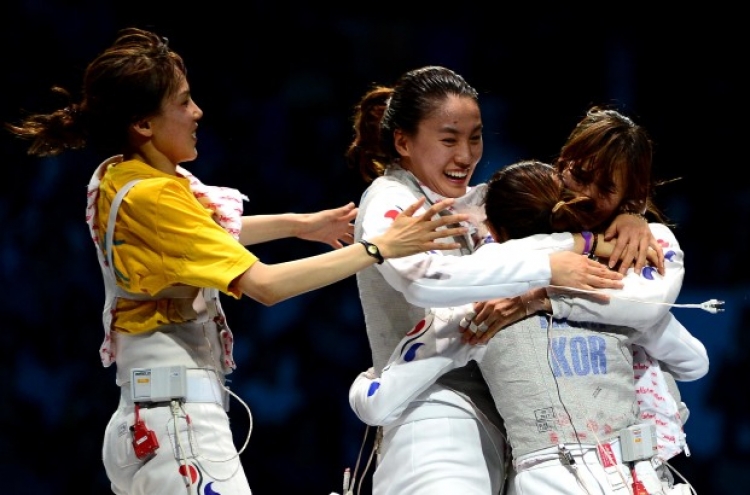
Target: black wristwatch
column 372, row 250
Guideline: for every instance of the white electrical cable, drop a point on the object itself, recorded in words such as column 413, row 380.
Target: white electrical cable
column 174, row 405
column 711, row 306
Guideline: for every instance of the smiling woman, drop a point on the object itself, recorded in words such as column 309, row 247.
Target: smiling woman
column 167, row 246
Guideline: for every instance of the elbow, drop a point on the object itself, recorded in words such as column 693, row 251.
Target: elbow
column 689, row 370
column 267, row 302
column 267, row 298
column 373, row 418
column 264, row 294
column 698, row 371
column 261, row 293
column 261, row 286
column 365, row 418
column 361, row 410
column 691, row 375
column 699, row 365
column 367, row 408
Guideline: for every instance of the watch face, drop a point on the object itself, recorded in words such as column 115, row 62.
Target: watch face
column 372, row 249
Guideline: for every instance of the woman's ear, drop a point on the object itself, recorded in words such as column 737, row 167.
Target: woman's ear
column 401, row 142
column 142, row 128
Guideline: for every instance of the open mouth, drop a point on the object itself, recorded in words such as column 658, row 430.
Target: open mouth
column 457, row 174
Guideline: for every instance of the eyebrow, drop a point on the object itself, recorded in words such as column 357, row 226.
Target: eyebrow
column 453, row 130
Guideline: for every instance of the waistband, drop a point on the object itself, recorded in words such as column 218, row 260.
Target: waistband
column 583, row 453
column 202, row 385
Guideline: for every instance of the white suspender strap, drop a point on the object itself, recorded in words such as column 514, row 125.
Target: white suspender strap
column 109, row 235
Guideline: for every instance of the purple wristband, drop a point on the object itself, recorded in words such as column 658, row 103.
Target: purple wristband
column 587, row 238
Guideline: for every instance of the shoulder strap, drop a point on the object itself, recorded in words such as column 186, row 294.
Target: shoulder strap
column 109, row 235
column 170, row 292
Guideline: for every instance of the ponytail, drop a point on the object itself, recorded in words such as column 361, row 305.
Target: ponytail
column 52, row 133
column 365, row 152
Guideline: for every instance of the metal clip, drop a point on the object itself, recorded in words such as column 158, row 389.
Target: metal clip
column 712, row 306
column 565, row 455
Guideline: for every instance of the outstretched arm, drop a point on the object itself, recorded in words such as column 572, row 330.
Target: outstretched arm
column 333, row 227
column 270, row 284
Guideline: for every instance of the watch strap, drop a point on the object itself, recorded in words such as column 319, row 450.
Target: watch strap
column 372, row 250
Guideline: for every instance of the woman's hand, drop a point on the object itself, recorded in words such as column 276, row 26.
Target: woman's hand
column 633, row 239
column 490, row 317
column 410, row 235
column 604, row 250
column 333, row 227
column 574, row 271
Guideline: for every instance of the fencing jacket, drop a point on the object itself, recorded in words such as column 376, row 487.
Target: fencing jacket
column 395, row 295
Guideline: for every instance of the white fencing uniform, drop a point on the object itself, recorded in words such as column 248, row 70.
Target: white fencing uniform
column 601, row 358
column 196, row 453
column 598, row 359
column 454, row 432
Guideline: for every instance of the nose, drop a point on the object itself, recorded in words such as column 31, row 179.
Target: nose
column 464, row 154
column 197, row 112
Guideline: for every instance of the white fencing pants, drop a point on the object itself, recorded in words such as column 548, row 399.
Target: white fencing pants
column 441, row 456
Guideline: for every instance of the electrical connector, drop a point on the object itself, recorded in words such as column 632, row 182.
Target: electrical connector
column 565, row 455
column 712, row 306
column 145, row 443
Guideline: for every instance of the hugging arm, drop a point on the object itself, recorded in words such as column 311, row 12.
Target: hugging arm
column 432, row 348
column 494, row 270
column 645, row 297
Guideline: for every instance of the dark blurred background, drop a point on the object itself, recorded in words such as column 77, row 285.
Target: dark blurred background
column 277, row 82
